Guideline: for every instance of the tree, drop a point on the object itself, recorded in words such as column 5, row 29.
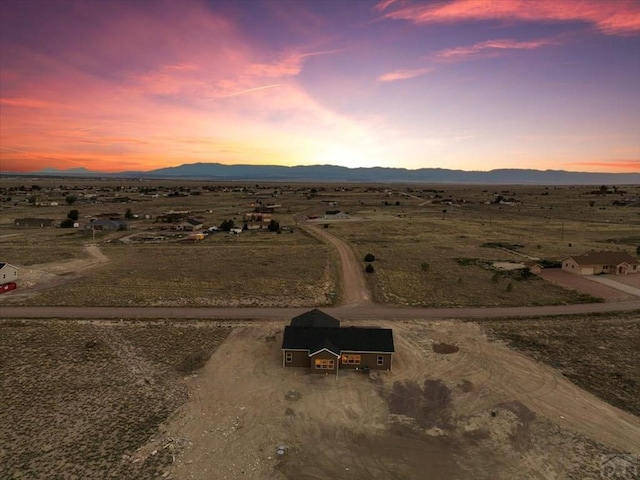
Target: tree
column 226, row 225
column 369, row 268
column 128, row 214
column 424, row 266
column 67, row 223
column 73, row 215
column 273, row 226
column 369, row 257
column 70, row 199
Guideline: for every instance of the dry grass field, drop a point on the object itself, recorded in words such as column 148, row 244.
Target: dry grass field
column 598, row 353
column 79, row 399
column 434, row 245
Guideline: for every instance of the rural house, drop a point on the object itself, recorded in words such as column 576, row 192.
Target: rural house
column 189, row 225
column 335, row 214
column 594, row 263
column 315, row 340
column 8, row 273
column 107, row 225
column 33, row 222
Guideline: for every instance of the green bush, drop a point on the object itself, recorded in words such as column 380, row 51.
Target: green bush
column 369, row 268
column 369, row 257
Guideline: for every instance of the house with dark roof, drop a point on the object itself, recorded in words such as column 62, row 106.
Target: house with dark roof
column 105, row 225
column 34, row 222
column 316, row 341
column 335, row 214
column 594, row 263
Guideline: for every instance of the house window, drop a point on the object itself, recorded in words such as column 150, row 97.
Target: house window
column 324, row 364
column 380, row 359
column 289, row 357
column 351, row 359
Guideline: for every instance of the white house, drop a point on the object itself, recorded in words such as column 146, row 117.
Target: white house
column 8, row 273
column 335, row 214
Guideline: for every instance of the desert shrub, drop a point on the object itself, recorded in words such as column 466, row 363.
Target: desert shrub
column 369, row 268
column 496, row 277
column 509, row 287
column 424, row 266
column 273, row 226
column 369, row 257
column 193, row 361
column 67, row 223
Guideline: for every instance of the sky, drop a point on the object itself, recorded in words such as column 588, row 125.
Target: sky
column 461, row 84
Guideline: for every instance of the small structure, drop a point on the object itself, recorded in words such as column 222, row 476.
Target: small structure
column 534, row 267
column 105, row 225
column 594, row 263
column 34, row 222
column 335, row 214
column 8, row 273
column 189, row 225
column 315, row 340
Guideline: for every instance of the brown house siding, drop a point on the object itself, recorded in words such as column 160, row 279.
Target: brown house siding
column 299, row 358
column 323, row 355
column 369, row 360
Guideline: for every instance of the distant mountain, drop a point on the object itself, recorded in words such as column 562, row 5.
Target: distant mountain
column 69, row 171
column 332, row 173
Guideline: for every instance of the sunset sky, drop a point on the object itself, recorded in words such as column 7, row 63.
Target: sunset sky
column 467, row 84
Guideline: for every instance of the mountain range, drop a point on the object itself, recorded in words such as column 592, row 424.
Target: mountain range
column 332, row 173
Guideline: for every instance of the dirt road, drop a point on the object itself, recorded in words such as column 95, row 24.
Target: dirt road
column 353, row 291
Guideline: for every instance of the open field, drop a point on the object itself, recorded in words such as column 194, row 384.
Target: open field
column 126, row 399
column 78, row 399
column 435, row 246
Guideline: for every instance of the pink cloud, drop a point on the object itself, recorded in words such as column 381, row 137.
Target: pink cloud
column 490, row 47
column 402, row 75
column 629, row 165
column 620, row 17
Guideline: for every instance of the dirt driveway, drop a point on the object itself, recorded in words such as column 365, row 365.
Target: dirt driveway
column 354, row 290
column 483, row 412
column 584, row 285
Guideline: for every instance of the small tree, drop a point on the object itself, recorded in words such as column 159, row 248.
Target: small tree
column 369, row 268
column 424, row 266
column 226, row 225
column 67, row 223
column 273, row 226
column 128, row 214
column 369, row 257
column 73, row 215
column 70, row 199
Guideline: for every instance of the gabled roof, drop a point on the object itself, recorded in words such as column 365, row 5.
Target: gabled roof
column 8, row 265
column 604, row 258
column 327, row 345
column 345, row 339
column 315, row 318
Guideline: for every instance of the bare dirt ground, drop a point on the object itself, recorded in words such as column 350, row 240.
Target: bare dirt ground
column 42, row 276
column 584, row 285
column 354, row 290
column 484, row 411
